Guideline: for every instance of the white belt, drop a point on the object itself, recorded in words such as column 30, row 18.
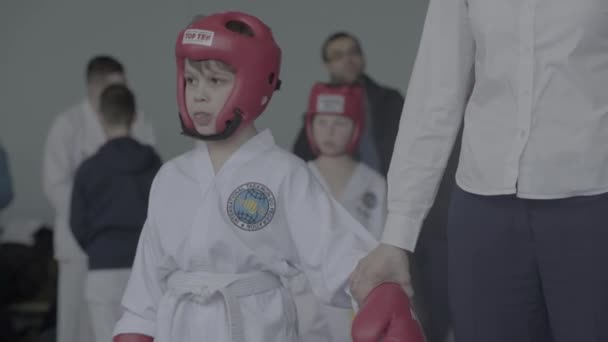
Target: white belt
column 201, row 286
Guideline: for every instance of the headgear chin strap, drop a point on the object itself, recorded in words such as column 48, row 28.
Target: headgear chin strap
column 231, row 127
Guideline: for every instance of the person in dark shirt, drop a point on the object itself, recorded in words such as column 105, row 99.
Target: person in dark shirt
column 108, row 207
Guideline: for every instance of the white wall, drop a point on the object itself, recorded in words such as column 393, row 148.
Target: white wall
column 44, row 46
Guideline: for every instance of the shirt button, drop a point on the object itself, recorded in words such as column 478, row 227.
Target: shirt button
column 522, row 133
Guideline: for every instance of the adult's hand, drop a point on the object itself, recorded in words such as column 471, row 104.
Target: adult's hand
column 385, row 264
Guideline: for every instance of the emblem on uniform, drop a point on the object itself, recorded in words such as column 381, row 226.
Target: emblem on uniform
column 370, row 200
column 251, row 206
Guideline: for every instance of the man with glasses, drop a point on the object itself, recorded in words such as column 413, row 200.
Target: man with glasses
column 343, row 57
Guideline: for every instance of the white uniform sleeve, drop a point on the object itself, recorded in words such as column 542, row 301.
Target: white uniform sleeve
column 378, row 214
column 439, row 88
column 329, row 241
column 58, row 166
column 146, row 284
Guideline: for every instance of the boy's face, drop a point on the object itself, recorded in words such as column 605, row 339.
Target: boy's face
column 208, row 85
column 332, row 133
column 345, row 61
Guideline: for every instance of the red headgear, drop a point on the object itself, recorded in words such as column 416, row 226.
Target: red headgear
column 256, row 60
column 343, row 100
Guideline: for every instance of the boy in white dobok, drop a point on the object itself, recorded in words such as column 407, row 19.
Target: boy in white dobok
column 334, row 122
column 231, row 218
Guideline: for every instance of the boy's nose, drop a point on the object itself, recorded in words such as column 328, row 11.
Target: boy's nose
column 202, row 95
column 332, row 130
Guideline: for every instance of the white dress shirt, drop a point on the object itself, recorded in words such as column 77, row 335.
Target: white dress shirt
column 530, row 78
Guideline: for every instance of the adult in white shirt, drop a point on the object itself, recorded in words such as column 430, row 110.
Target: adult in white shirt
column 75, row 135
column 528, row 224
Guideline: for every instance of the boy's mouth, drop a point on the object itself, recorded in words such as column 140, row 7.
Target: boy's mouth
column 328, row 144
column 202, row 118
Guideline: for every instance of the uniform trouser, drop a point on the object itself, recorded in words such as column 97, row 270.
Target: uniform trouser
column 528, row 270
column 104, row 291
column 73, row 323
column 313, row 325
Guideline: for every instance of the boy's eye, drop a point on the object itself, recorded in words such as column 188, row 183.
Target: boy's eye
column 189, row 80
column 217, row 81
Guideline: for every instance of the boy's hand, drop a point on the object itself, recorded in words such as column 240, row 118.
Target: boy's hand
column 385, row 264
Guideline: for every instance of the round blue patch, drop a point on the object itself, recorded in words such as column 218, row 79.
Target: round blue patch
column 251, row 206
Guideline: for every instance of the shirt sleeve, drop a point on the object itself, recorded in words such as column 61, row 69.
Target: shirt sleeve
column 439, row 88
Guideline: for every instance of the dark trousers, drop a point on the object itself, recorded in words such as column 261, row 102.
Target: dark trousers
column 429, row 272
column 528, row 270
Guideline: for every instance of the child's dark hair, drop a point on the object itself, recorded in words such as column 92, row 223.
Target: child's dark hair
column 117, row 105
column 101, row 66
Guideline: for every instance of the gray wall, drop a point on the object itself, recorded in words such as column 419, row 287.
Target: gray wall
column 45, row 45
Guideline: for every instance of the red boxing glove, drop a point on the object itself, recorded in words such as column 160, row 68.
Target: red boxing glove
column 132, row 338
column 387, row 315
